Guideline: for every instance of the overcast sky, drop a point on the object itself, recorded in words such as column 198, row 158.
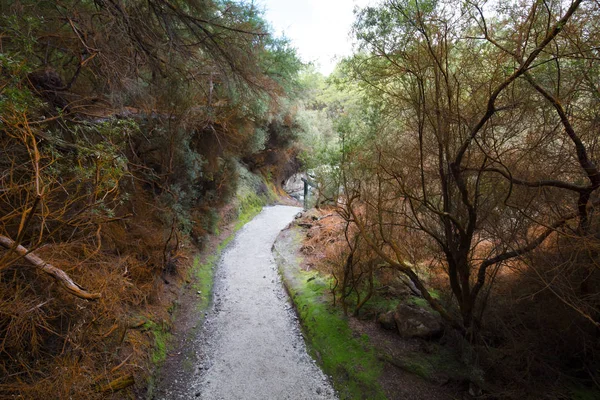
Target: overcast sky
column 318, row 29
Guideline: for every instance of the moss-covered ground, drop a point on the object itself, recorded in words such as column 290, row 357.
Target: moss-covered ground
column 161, row 333
column 349, row 360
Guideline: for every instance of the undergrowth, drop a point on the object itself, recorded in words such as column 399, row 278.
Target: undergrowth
column 254, row 192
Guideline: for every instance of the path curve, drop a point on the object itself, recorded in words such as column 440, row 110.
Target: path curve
column 255, row 349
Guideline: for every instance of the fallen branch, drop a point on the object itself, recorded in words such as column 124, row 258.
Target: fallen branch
column 118, row 384
column 58, row 274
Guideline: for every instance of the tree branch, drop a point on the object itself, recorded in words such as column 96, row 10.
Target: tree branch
column 542, row 183
column 491, row 105
column 59, row 275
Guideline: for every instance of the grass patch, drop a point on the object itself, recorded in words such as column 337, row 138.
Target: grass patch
column 203, row 275
column 350, row 360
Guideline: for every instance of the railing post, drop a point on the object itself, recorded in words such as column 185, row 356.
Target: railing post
column 305, row 193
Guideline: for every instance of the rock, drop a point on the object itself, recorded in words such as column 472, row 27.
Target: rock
column 387, row 321
column 319, row 390
column 414, row 321
column 299, row 215
column 399, row 290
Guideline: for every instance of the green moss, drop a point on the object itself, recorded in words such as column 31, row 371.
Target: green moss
column 418, row 301
column 351, row 361
column 250, row 205
column 418, row 366
column 203, row 277
column 378, row 304
column 421, row 302
column 225, row 243
column 161, row 333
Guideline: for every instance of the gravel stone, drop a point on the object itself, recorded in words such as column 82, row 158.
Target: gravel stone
column 255, row 345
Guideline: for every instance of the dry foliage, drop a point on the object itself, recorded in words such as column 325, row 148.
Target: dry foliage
column 120, row 123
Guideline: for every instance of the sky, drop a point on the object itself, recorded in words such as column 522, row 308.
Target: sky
column 318, row 29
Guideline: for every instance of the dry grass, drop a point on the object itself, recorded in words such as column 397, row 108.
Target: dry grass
column 52, row 342
column 536, row 339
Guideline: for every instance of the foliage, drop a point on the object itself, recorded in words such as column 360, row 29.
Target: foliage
column 468, row 156
column 449, row 130
column 121, row 127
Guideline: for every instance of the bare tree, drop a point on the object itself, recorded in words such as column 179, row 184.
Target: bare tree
column 477, row 147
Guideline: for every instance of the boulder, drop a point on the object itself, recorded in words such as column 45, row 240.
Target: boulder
column 387, row 321
column 414, row 321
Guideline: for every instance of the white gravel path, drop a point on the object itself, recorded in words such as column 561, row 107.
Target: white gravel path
column 254, row 346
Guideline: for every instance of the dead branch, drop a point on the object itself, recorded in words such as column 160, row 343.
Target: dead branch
column 59, row 275
column 118, row 384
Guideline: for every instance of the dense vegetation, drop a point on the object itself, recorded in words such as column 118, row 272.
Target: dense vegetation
column 459, row 145
column 467, row 162
column 122, row 129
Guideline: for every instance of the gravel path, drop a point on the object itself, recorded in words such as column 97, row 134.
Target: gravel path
column 253, row 345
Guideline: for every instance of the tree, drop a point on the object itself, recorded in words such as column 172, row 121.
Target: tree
column 471, row 145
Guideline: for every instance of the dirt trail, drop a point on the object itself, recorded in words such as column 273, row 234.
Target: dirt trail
column 252, row 345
